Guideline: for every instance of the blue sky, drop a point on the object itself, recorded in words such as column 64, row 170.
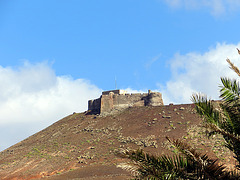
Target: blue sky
column 57, row 54
column 98, row 40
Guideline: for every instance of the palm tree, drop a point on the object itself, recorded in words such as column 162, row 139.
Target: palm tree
column 222, row 117
column 225, row 118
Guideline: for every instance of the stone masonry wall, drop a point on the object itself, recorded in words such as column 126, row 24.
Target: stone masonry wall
column 94, row 105
column 111, row 100
column 118, row 101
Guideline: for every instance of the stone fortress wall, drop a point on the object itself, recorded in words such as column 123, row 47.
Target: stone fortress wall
column 120, row 99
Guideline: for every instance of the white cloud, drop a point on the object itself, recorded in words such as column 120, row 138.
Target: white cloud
column 34, row 96
column 195, row 72
column 216, row 7
column 130, row 90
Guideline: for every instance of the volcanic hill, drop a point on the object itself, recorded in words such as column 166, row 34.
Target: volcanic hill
column 83, row 145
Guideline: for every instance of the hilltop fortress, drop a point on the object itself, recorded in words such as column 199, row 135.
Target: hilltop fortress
column 120, row 99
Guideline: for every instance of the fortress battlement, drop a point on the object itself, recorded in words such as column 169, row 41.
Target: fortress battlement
column 120, row 99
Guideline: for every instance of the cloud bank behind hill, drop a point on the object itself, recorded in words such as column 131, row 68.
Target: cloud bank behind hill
column 195, row 72
column 32, row 97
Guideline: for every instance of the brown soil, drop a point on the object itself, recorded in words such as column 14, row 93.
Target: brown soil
column 82, row 146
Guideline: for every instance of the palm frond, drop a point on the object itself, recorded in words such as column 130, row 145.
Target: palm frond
column 223, row 118
column 206, row 108
column 157, row 167
column 233, row 67
column 233, row 137
column 130, row 167
column 238, row 50
column 208, row 168
column 230, row 90
column 161, row 167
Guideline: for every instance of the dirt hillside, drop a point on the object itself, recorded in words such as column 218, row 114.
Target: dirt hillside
column 82, row 146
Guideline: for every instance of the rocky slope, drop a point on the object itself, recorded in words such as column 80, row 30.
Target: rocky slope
column 82, row 146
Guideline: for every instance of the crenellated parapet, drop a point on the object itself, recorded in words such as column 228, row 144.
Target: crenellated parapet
column 119, row 99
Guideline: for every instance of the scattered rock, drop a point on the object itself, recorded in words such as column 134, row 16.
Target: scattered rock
column 181, row 108
column 82, row 161
column 146, row 142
